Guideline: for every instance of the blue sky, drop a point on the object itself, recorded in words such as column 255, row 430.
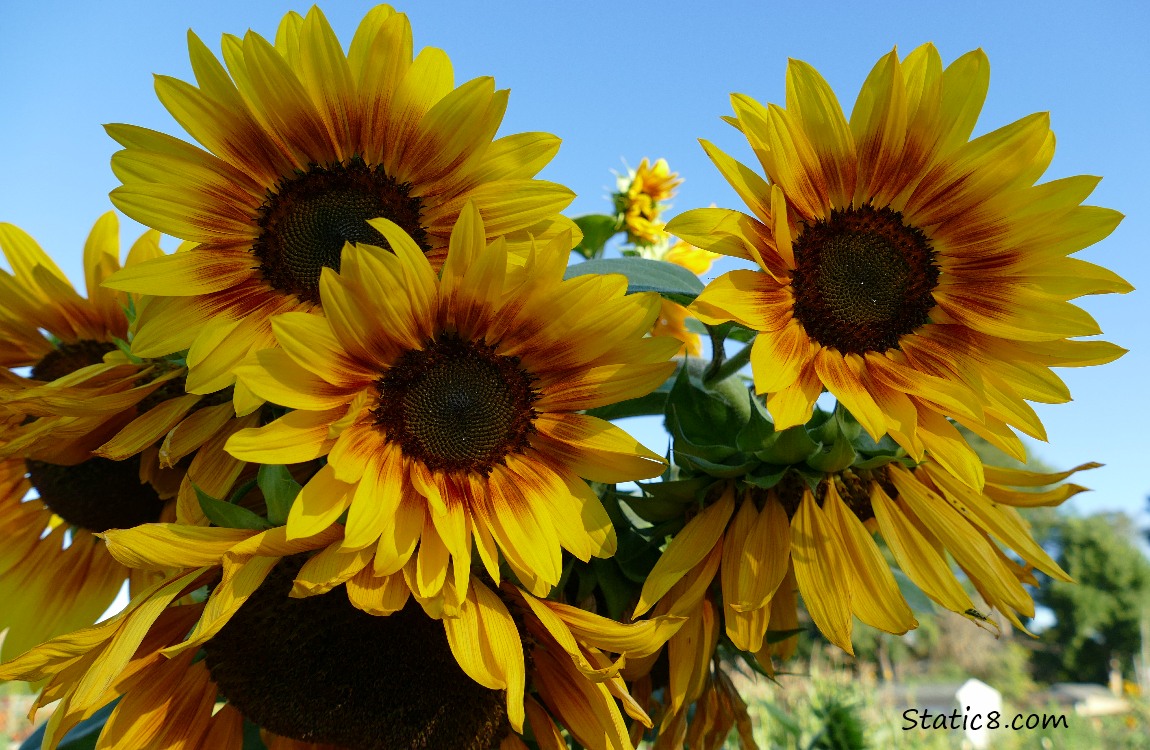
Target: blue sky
column 620, row 81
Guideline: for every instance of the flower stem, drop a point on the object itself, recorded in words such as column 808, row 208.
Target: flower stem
column 726, row 369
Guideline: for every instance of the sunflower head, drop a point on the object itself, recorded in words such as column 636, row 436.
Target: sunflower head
column 641, row 198
column 450, row 413
column 301, row 144
column 94, row 439
column 359, row 664
column 916, row 274
column 307, row 219
column 318, row 669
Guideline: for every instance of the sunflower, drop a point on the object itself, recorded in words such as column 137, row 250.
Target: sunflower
column 302, row 145
column 915, row 274
column 766, row 546
column 642, row 195
column 359, row 665
column 96, row 434
column 449, row 414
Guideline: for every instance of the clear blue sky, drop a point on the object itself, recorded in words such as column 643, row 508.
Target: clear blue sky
column 625, row 80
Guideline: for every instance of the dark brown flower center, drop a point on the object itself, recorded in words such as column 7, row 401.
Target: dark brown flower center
column 853, row 485
column 863, row 280
column 97, row 494
column 456, row 405
column 319, row 670
column 306, row 220
column 65, row 359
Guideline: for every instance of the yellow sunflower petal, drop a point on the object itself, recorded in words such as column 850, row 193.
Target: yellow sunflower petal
column 747, row 297
column 875, row 599
column 293, row 438
column 319, row 503
column 596, row 449
column 820, row 570
column 916, row 556
column 686, row 549
column 169, row 545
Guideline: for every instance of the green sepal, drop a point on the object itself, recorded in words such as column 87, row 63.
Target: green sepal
column 645, row 275
column 597, row 230
column 229, row 516
column 728, row 653
column 865, row 444
column 724, row 331
column 876, row 461
column 812, row 478
column 735, row 466
column 242, row 491
column 832, row 458
column 280, row 490
column 835, row 452
column 791, row 446
column 759, row 431
column 126, row 349
column 766, row 476
column 702, row 417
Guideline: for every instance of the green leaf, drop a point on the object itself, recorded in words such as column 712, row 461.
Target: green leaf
column 778, row 636
column 252, row 739
column 791, row 446
column 663, row 501
column 280, row 490
column 645, row 275
column 766, row 476
column 784, row 719
column 759, row 432
column 588, row 581
column 616, row 589
column 635, row 556
column 229, row 516
column 597, row 230
column 654, row 402
column 81, row 737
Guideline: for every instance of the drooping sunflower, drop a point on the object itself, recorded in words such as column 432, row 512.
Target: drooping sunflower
column 693, row 675
column 358, row 665
column 449, row 414
column 302, row 144
column 766, row 546
column 641, row 198
column 915, row 274
column 95, row 434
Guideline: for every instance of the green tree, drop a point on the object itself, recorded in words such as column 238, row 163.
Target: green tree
column 1098, row 617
